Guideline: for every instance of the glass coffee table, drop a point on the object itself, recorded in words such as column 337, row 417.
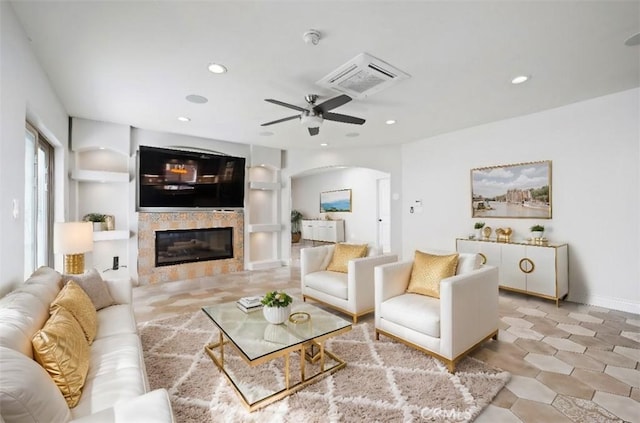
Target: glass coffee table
column 271, row 374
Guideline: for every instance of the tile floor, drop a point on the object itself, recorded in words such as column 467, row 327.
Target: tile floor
column 573, row 363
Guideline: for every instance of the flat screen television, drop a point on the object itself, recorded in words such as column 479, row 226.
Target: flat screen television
column 170, row 179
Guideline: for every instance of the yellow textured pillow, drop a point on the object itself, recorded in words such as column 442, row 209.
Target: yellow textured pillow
column 62, row 350
column 73, row 298
column 342, row 253
column 428, row 270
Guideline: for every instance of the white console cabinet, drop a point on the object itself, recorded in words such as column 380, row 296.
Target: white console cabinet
column 536, row 269
column 323, row 230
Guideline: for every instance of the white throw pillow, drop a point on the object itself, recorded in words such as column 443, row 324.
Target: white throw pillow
column 468, row 262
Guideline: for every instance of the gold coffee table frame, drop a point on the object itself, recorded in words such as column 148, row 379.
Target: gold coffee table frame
column 310, row 349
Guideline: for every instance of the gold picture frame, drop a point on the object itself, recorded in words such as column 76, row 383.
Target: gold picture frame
column 521, row 190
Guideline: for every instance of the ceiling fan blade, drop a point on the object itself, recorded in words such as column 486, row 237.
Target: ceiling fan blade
column 314, row 131
column 280, row 103
column 281, row 120
column 332, row 103
column 343, row 118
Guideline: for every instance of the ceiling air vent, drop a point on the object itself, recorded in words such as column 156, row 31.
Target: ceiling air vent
column 362, row 76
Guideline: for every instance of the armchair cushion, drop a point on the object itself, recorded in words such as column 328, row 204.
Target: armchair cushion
column 418, row 312
column 342, row 253
column 428, row 270
column 332, row 283
column 468, row 262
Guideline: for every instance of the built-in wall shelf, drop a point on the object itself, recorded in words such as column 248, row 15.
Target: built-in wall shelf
column 264, row 227
column 83, row 175
column 265, row 186
column 110, row 235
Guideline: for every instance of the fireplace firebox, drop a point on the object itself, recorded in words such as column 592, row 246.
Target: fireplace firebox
column 193, row 245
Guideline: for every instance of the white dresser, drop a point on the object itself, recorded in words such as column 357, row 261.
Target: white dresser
column 323, row 230
column 536, row 269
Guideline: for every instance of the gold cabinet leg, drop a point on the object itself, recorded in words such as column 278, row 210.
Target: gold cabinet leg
column 286, row 371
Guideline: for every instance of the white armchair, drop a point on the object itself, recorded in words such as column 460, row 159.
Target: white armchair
column 350, row 293
column 465, row 315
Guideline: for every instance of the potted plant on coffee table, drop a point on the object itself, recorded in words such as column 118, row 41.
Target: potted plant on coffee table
column 296, row 218
column 277, row 306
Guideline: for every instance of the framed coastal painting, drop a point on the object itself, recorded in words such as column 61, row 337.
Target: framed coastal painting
column 335, row 201
column 520, row 190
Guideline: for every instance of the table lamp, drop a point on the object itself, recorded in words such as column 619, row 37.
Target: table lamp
column 73, row 239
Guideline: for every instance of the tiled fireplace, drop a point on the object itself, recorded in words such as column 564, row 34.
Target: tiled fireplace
column 149, row 224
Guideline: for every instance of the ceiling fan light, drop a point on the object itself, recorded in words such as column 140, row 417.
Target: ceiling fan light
column 311, row 121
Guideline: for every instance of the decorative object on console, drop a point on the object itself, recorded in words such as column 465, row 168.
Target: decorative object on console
column 73, row 239
column 277, row 307
column 478, row 227
column 335, row 201
column 486, row 232
column 110, row 222
column 526, row 192
column 503, row 234
column 537, row 232
column 296, row 230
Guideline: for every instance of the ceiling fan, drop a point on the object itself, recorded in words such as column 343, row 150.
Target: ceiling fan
column 313, row 115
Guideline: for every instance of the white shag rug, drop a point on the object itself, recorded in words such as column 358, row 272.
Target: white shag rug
column 384, row 381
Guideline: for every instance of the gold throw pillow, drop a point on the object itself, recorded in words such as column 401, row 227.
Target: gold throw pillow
column 78, row 303
column 62, row 350
column 428, row 270
column 342, row 253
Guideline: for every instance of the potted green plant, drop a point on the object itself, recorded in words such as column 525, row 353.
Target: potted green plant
column 98, row 220
column 478, row 227
column 277, row 306
column 296, row 218
column 537, row 231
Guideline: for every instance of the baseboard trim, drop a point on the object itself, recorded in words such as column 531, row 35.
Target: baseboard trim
column 611, row 303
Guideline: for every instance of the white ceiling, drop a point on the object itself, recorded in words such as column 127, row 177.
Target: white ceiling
column 135, row 62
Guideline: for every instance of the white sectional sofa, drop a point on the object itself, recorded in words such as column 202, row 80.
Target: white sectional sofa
column 116, row 386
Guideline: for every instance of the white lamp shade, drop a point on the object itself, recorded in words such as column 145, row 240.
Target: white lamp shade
column 72, row 237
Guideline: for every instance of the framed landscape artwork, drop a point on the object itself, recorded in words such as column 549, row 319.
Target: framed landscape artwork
column 520, row 190
column 335, row 201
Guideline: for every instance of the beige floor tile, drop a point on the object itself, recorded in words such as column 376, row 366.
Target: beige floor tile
column 517, row 322
column 631, row 353
column 534, row 346
column 629, row 376
column 611, row 358
column 508, row 348
column 564, row 344
column 548, row 363
column 531, row 389
column 531, row 311
column 591, row 342
column 504, row 399
column 623, row 407
column 602, row 382
column 584, row 317
column 580, row 361
column 576, row 329
column 535, row 412
column 583, row 411
column 635, row 394
column 493, row 414
column 566, row 385
column 525, row 333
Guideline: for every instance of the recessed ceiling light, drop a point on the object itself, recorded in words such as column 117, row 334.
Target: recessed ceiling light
column 198, row 99
column 519, row 79
column 352, row 134
column 184, row 119
column 324, row 144
column 390, row 122
column 100, row 148
column 217, row 68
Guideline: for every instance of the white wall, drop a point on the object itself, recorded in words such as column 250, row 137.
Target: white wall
column 383, row 159
column 25, row 93
column 594, row 149
column 361, row 223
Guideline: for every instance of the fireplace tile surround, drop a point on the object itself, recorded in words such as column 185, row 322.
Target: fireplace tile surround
column 149, row 223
